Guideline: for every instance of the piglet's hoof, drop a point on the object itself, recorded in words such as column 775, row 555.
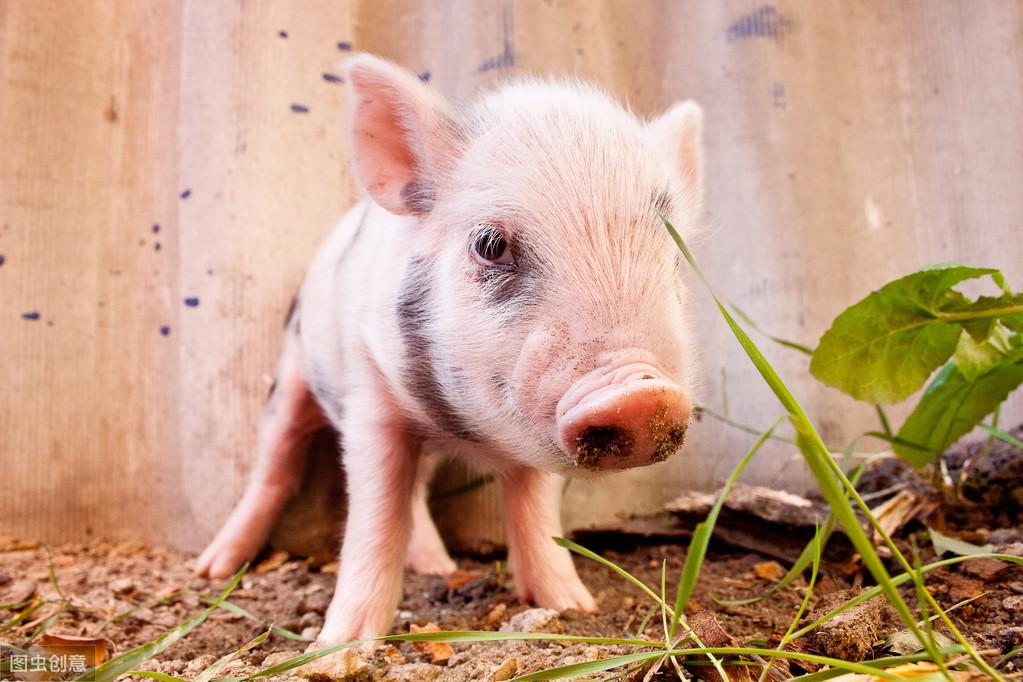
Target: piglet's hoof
column 347, row 665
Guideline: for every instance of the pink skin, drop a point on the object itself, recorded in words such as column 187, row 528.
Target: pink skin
column 563, row 351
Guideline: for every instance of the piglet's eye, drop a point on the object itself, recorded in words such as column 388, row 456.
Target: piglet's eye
column 489, row 247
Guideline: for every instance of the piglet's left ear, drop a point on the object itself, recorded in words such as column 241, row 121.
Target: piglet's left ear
column 402, row 135
column 680, row 130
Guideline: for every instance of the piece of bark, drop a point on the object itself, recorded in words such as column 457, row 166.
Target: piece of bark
column 705, row 626
column 850, row 635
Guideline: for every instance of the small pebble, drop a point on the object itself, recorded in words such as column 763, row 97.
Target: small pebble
column 192, row 302
column 533, row 620
column 300, row 108
column 1013, row 603
column 122, row 586
column 310, row 632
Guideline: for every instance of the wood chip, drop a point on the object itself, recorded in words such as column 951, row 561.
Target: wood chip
column 896, row 511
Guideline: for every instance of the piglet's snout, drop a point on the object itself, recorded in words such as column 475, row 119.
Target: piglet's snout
column 626, row 415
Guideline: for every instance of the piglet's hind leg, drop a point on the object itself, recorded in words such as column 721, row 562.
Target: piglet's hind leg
column 426, row 552
column 289, row 418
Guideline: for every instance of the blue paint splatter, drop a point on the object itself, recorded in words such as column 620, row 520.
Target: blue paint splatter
column 300, row 108
column 331, row 78
column 764, row 22
column 344, row 45
column 282, row 34
column 425, row 76
column 34, row 315
column 156, row 228
column 192, row 302
column 165, row 330
column 185, row 194
column 507, row 56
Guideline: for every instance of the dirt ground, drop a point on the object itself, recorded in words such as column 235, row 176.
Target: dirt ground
column 130, row 594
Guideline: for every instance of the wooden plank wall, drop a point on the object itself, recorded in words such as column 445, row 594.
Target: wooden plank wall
column 848, row 143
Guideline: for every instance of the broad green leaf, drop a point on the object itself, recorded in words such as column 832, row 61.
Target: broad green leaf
column 953, row 404
column 884, row 347
column 830, row 478
column 979, row 317
column 974, row 358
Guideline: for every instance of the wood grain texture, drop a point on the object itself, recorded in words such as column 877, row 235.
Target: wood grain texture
column 847, row 144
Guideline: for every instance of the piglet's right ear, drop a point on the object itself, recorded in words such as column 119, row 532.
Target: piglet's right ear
column 402, row 135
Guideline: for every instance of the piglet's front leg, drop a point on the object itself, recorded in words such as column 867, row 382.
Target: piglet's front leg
column 380, row 468
column 544, row 572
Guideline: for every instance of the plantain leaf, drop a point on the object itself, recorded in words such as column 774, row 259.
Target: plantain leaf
column 884, row 347
column 953, row 404
column 973, row 358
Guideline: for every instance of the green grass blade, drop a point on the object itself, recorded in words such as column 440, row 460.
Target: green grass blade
column 463, row 636
column 703, row 409
column 21, row 616
column 849, row 666
column 787, row 637
column 131, row 659
column 582, row 551
column 886, row 662
column 802, row 348
column 299, row 660
column 897, row 580
column 588, row 667
column 218, row 665
column 1009, row 656
column 152, row 674
column 234, row 608
column 1002, row 435
column 701, row 536
column 816, row 454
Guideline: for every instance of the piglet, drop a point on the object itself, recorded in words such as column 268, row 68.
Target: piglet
column 506, row 289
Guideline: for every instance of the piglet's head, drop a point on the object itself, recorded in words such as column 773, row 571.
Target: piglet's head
column 541, row 303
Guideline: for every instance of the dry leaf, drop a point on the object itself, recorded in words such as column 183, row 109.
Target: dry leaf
column 460, row 578
column 439, row 653
column 272, row 562
column 769, row 570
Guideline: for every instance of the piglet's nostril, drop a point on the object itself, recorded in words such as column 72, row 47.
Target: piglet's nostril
column 597, row 443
